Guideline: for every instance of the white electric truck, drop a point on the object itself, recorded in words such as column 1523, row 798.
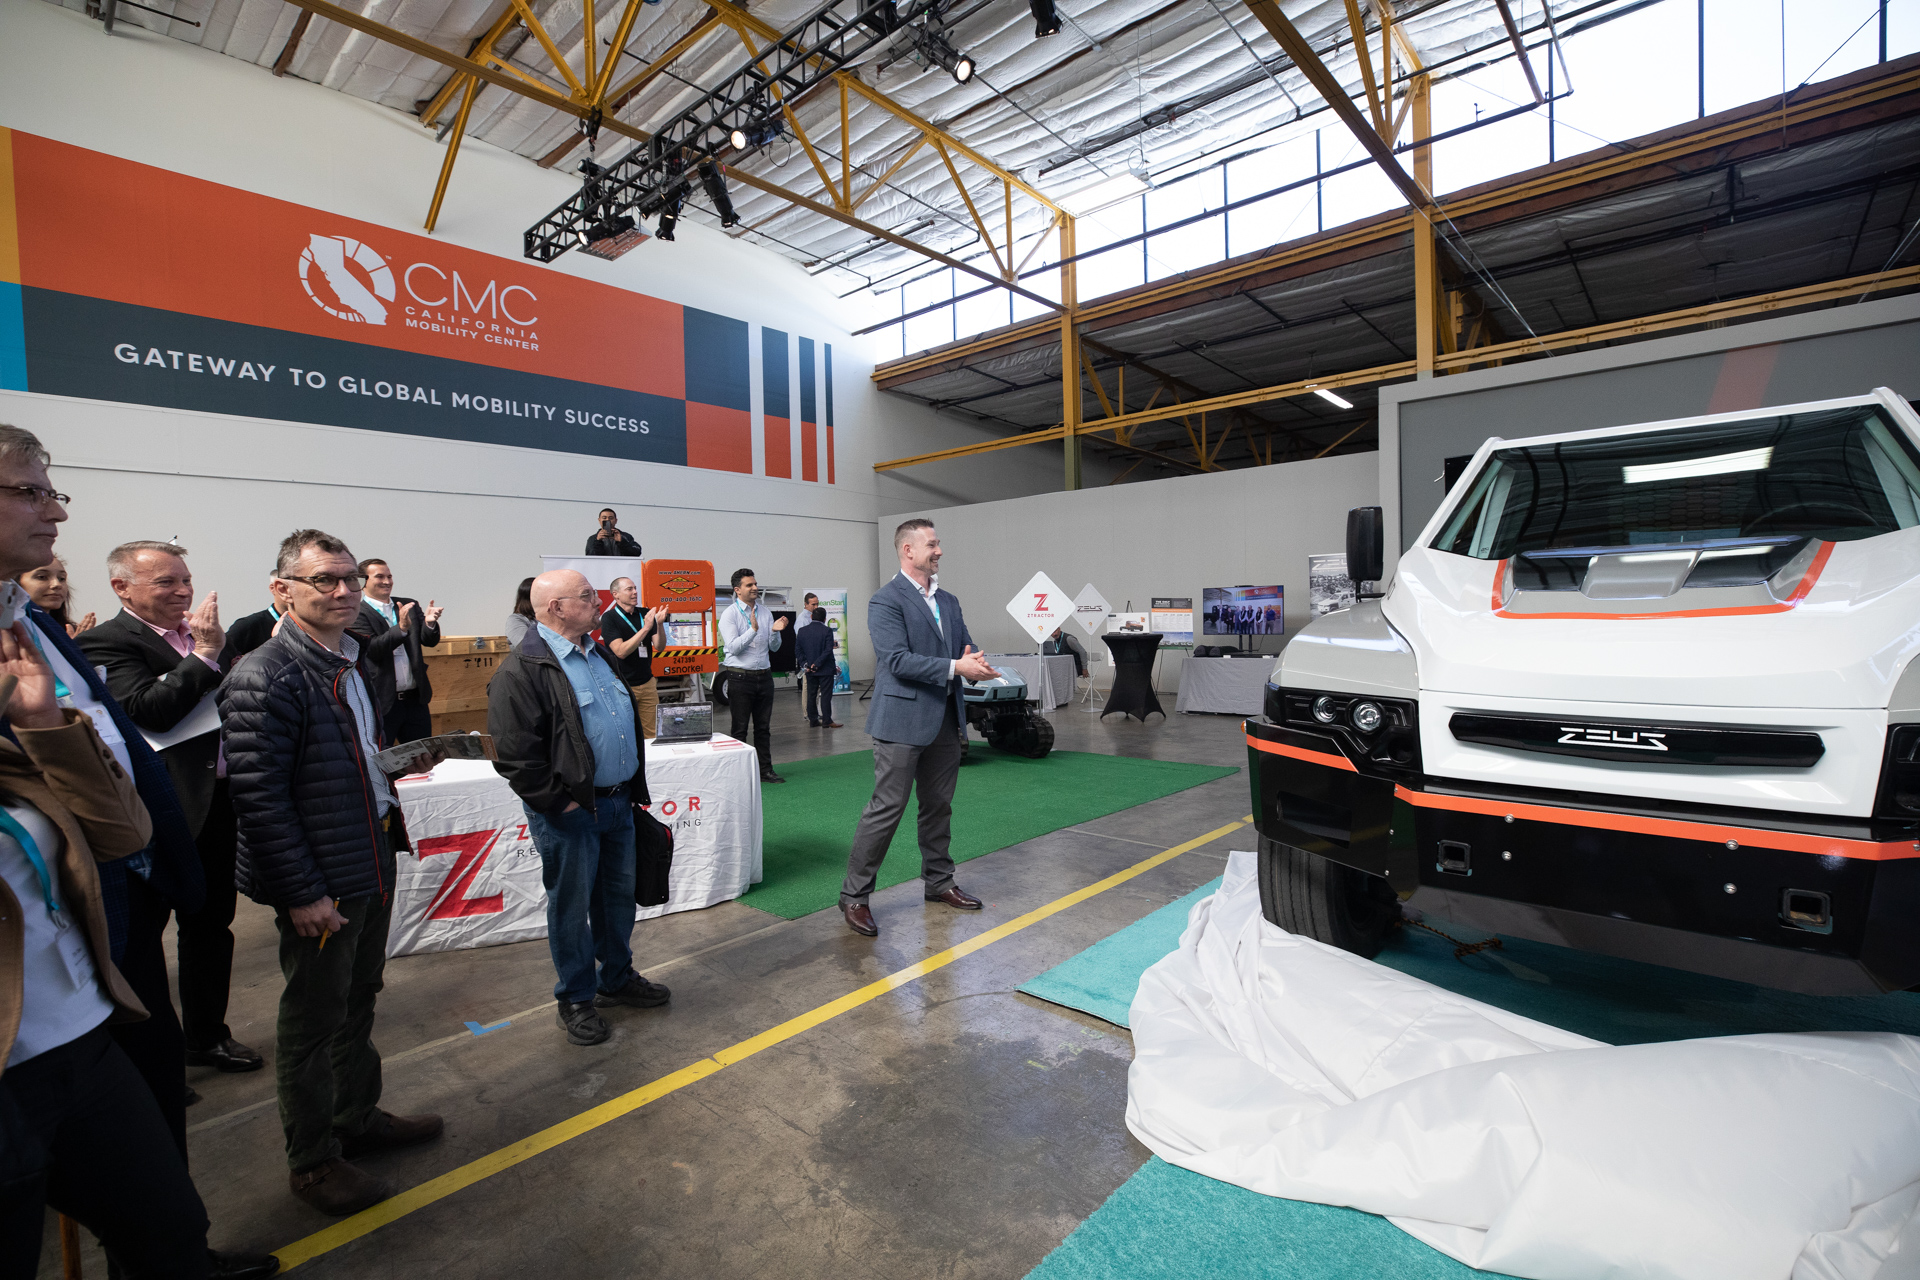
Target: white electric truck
column 1647, row 691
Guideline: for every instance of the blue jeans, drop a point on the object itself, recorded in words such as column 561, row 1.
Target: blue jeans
column 586, row 864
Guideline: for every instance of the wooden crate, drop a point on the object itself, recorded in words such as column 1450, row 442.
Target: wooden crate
column 460, row 667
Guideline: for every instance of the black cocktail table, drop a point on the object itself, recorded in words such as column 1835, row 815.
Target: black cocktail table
column 1132, row 690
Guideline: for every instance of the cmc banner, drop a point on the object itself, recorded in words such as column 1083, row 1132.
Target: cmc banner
column 473, row 878
column 120, row 281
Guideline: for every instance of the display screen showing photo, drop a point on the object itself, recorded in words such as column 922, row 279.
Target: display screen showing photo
column 1243, row 611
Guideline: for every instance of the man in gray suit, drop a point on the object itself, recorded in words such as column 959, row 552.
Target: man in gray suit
column 921, row 652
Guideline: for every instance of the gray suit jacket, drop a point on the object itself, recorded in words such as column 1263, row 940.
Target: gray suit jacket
column 911, row 656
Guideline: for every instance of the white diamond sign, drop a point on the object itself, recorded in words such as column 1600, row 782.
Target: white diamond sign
column 1091, row 610
column 1040, row 607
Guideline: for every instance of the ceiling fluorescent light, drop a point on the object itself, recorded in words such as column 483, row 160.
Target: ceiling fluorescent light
column 1719, row 464
column 1330, row 398
column 1103, row 193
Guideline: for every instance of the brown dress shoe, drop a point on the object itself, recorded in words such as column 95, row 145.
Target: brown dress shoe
column 387, row 1131
column 957, row 898
column 338, row 1188
column 835, row 724
column 860, row 919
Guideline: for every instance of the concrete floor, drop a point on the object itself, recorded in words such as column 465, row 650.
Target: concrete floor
column 950, row 1128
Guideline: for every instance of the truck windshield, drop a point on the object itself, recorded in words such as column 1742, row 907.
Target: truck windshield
column 1838, row 475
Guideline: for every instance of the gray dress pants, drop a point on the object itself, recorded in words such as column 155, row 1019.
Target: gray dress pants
column 898, row 768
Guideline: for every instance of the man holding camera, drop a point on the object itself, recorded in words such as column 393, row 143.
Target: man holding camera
column 632, row 633
column 610, row 539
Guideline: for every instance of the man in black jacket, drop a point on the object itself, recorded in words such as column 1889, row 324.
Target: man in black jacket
column 610, row 539
column 164, row 658
column 314, row 807
column 814, row 643
column 392, row 630
column 567, row 741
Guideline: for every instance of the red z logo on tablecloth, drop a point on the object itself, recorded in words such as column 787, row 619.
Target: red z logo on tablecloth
column 450, row 901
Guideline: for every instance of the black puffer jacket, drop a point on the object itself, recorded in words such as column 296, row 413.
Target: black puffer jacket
column 301, row 790
column 540, row 745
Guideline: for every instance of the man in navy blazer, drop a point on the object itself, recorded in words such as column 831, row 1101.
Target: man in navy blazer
column 921, row 652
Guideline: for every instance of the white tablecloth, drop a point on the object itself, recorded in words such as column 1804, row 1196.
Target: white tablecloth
column 1237, row 685
column 473, row 879
column 1050, row 679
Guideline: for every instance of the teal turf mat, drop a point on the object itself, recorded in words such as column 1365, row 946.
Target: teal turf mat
column 1165, row 1223
column 1102, row 979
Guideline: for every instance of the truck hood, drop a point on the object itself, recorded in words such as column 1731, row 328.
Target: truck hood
column 1840, row 638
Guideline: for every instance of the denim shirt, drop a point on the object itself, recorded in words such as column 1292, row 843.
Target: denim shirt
column 606, row 709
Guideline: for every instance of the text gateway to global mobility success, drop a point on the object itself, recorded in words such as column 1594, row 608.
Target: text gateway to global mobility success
column 353, row 385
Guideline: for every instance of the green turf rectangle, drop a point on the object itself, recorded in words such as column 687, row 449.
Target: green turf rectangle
column 1001, row 800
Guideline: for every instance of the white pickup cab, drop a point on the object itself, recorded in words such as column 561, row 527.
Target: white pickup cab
column 1648, row 691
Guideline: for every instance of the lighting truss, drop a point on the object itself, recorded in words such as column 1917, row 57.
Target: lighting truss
column 752, row 99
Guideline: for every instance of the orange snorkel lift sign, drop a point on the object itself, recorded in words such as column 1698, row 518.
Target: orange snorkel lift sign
column 685, row 587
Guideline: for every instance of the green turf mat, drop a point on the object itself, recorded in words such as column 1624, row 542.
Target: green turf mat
column 1001, row 800
column 1102, row 979
column 1165, row 1223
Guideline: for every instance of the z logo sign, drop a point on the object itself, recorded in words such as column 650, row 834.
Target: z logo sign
column 450, row 901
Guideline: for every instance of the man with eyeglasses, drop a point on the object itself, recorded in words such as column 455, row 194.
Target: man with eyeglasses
column 164, row 659
column 314, row 808
column 567, row 740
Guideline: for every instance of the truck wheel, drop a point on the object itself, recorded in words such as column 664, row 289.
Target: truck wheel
column 1037, row 740
column 1324, row 900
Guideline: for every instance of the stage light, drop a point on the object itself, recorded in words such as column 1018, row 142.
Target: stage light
column 1330, row 398
column 936, row 51
column 962, row 69
column 717, row 193
column 1046, row 21
column 669, row 217
column 757, row 132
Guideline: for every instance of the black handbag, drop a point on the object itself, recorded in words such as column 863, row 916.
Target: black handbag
column 653, row 858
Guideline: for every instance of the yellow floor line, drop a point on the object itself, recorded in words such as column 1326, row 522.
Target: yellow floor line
column 406, row 1202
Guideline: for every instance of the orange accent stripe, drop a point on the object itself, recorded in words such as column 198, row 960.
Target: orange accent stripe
column 1301, row 753
column 9, row 224
column 1793, row 841
column 1806, row 584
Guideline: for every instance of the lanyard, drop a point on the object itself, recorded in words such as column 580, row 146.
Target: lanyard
column 11, row 826
column 60, row 689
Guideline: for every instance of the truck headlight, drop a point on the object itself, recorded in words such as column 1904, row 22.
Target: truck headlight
column 1324, row 710
column 1366, row 716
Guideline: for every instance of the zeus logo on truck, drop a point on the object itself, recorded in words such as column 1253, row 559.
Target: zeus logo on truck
column 352, row 281
column 1625, row 740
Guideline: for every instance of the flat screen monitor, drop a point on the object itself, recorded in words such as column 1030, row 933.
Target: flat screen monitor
column 1242, row 611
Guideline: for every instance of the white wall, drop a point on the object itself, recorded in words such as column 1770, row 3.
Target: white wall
column 1166, row 537
column 462, row 523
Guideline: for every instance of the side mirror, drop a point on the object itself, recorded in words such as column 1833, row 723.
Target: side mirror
column 1366, row 549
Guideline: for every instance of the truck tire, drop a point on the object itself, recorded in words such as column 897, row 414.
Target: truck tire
column 1037, row 739
column 1326, row 901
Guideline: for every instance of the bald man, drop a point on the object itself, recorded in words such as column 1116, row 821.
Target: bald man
column 567, row 734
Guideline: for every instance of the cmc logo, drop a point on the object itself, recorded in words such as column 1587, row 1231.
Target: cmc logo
column 346, row 278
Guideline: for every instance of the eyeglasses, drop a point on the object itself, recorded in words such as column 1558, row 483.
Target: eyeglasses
column 36, row 495
column 326, row 583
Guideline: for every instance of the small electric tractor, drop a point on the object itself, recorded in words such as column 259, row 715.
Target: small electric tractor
column 1005, row 716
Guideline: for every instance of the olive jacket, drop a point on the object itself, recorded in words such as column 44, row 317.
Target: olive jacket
column 69, row 775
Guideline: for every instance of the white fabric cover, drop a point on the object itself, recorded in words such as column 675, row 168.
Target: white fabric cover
column 1295, row 1069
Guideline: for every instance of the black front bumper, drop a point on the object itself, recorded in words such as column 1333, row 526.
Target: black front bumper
column 1655, row 883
